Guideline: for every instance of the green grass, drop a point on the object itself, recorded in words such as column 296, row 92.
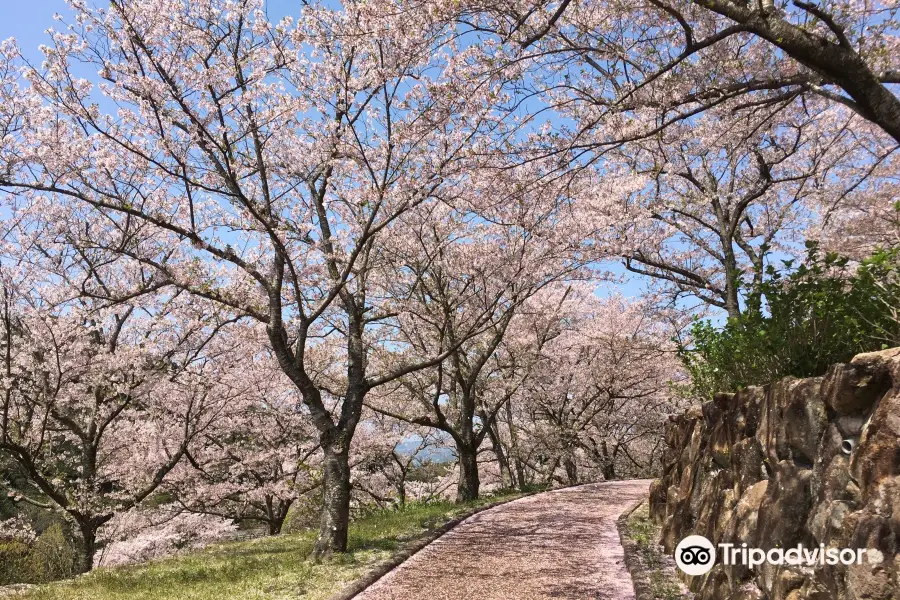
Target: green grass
column 641, row 528
column 275, row 568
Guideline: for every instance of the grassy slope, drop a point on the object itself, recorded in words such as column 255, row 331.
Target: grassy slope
column 265, row 569
column 664, row 584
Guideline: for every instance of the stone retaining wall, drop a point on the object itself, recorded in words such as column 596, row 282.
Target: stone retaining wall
column 801, row 461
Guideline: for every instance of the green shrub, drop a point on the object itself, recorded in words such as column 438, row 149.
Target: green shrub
column 13, row 562
column 798, row 322
column 49, row 557
column 53, row 555
column 428, row 470
column 304, row 514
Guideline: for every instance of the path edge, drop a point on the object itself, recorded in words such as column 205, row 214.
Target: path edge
column 640, row 580
column 359, row 585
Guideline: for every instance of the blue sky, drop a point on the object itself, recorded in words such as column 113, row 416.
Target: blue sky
column 28, row 20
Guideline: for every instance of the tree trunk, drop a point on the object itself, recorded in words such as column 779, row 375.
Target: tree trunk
column 609, row 461
column 571, row 470
column 401, row 493
column 467, row 489
column 506, row 474
column 276, row 513
column 732, row 277
column 336, row 506
column 514, row 448
column 521, row 480
column 88, row 545
column 274, row 526
column 609, row 471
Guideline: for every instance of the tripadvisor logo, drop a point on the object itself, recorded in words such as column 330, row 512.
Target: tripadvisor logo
column 696, row 555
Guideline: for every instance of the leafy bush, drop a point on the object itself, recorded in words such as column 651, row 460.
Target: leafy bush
column 304, row 514
column 429, row 470
column 800, row 321
column 13, row 561
column 49, row 556
column 52, row 556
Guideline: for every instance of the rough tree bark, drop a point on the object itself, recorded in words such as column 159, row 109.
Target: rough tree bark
column 336, row 500
column 571, row 470
column 469, row 482
column 514, row 448
column 88, row 528
column 276, row 513
column 506, row 475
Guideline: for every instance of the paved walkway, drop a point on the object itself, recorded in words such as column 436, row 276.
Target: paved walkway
column 559, row 544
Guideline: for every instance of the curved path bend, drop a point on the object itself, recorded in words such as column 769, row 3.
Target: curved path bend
column 559, row 544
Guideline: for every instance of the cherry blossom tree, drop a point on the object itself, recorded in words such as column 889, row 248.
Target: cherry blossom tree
column 857, row 229
column 596, row 403
column 99, row 404
column 260, row 454
column 492, row 264
column 664, row 61
column 694, row 88
column 258, row 166
column 149, row 533
column 520, row 357
column 723, row 198
column 390, row 453
column 227, row 236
